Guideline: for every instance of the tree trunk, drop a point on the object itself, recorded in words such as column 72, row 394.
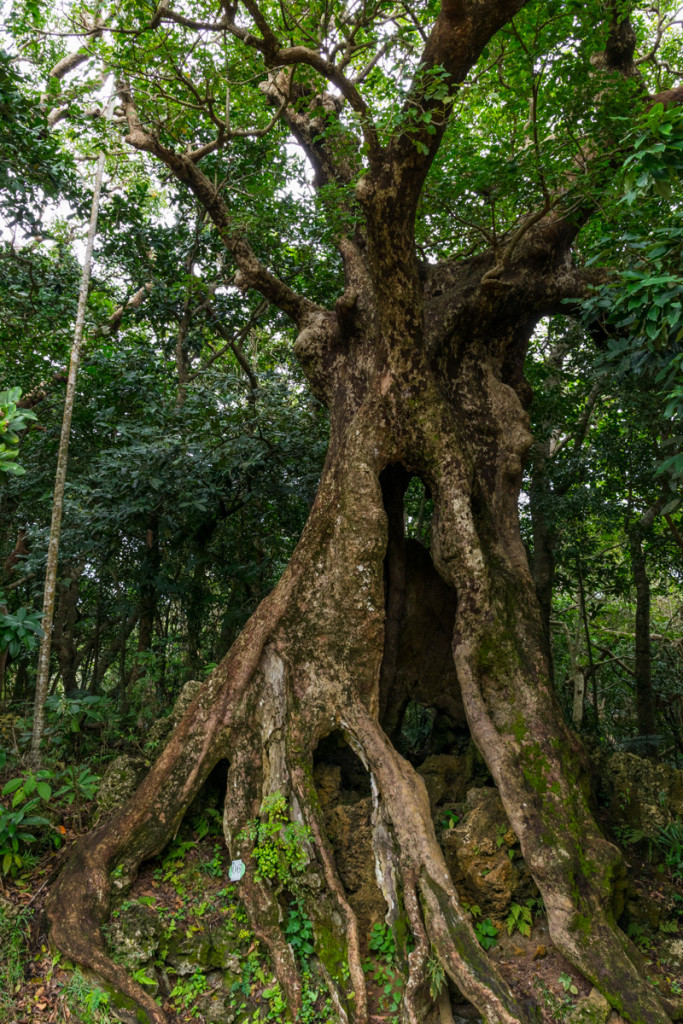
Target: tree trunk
column 645, row 702
column 147, row 609
column 543, row 561
column 43, row 669
column 66, row 615
column 645, row 705
column 443, row 397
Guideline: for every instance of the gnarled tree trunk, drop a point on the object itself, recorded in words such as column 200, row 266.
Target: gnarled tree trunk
column 441, row 396
column 421, row 369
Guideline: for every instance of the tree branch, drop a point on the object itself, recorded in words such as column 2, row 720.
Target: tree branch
column 460, row 33
column 251, row 272
column 234, row 344
column 277, row 56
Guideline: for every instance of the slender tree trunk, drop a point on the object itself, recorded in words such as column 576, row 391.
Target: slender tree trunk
column 543, row 561
column 43, row 670
column 645, row 702
column 147, row 608
column 65, row 619
column 645, row 705
column 106, row 660
column 590, row 672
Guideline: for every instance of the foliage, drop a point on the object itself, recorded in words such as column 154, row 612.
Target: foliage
column 87, row 1000
column 12, row 421
column 519, row 918
column 558, row 1008
column 567, row 984
column 486, row 932
column 299, row 929
column 19, row 631
column 670, row 843
column 279, row 845
column 437, row 977
column 384, row 968
column 14, row 938
column 34, row 167
column 53, row 789
column 19, row 822
column 68, row 714
column 187, row 989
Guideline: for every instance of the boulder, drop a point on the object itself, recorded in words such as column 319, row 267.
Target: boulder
column 593, row 1009
column 163, row 727
column 671, row 952
column 446, row 777
column 189, row 950
column 135, row 933
column 122, row 777
column 643, row 795
column 482, row 857
column 350, row 831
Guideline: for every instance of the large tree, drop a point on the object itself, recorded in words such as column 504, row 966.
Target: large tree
column 454, row 242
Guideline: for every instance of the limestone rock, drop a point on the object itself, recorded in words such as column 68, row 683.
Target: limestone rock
column 223, row 942
column 671, row 952
column 477, row 853
column 188, row 693
column 121, row 778
column 327, row 778
column 165, row 726
column 594, row 1009
column 189, row 951
column 350, row 831
column 134, row 934
column 643, row 795
column 446, row 777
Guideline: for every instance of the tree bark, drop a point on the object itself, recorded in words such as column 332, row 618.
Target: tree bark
column 446, row 404
column 65, row 619
column 147, row 608
column 645, row 701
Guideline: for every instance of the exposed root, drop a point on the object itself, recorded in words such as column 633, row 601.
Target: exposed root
column 419, row 956
column 304, row 790
column 263, row 913
column 573, row 872
column 86, row 946
column 448, row 929
column 602, row 959
column 79, row 902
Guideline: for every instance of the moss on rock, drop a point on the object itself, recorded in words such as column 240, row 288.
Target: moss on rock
column 594, row 1009
column 121, row 778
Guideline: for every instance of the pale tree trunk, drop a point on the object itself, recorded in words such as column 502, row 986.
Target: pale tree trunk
column 576, row 677
column 43, row 669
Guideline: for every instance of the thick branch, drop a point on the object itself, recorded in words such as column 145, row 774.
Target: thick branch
column 277, row 56
column 459, row 35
